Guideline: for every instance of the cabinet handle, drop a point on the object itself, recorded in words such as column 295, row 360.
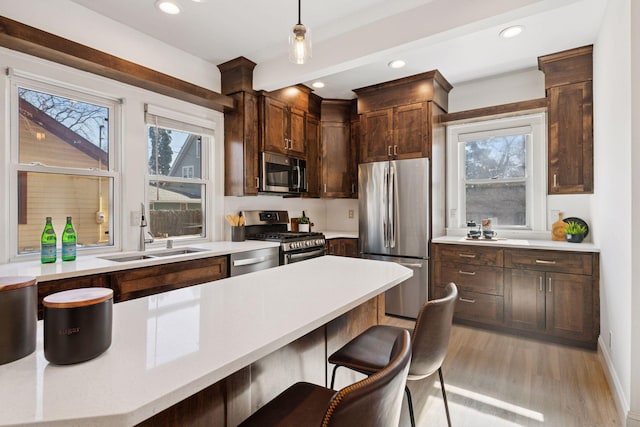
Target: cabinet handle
column 555, row 180
column 471, row 301
column 467, row 273
column 542, row 261
column 550, row 289
column 290, row 144
column 286, row 145
column 541, row 290
column 395, row 150
column 325, row 188
column 388, row 150
column 353, row 188
column 257, row 182
column 467, row 255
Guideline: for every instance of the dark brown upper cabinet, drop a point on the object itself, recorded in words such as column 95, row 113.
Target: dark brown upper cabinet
column 241, row 131
column 337, row 175
column 397, row 116
column 569, row 91
column 283, row 121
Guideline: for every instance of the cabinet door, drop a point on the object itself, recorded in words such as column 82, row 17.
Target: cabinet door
column 524, row 299
column 296, row 134
column 334, row 247
column 350, row 248
column 570, row 138
column 570, row 306
column 336, row 175
column 376, row 143
column 241, row 147
column 275, row 126
column 410, row 131
column 314, row 173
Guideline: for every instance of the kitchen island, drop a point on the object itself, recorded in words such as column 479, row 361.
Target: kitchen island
column 172, row 345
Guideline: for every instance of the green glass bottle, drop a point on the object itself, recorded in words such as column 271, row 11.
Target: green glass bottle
column 68, row 242
column 48, row 243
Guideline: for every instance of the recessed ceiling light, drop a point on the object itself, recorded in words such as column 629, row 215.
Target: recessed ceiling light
column 512, row 31
column 397, row 63
column 317, row 85
column 169, row 7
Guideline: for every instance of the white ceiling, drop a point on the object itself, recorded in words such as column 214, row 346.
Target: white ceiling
column 354, row 40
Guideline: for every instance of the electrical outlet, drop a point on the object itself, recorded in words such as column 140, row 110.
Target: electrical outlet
column 350, row 213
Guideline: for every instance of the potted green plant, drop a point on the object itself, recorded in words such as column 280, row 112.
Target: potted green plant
column 575, row 232
column 304, row 223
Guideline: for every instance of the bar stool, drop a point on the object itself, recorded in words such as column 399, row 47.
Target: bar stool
column 429, row 342
column 375, row 401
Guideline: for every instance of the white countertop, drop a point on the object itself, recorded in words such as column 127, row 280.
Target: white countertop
column 520, row 243
column 169, row 346
column 94, row 264
column 332, row 234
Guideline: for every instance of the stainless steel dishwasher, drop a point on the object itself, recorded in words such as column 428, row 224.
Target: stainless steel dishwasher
column 258, row 259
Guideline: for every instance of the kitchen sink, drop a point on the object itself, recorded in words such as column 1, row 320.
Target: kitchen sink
column 171, row 252
column 126, row 258
column 152, row 255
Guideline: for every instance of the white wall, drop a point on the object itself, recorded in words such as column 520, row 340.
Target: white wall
column 612, row 202
column 497, row 90
column 513, row 87
column 77, row 23
column 634, row 17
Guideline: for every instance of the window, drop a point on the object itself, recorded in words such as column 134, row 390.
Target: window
column 177, row 178
column 62, row 155
column 497, row 171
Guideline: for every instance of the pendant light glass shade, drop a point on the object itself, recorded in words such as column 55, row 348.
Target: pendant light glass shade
column 299, row 42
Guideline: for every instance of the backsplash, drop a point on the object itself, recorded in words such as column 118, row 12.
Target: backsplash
column 324, row 214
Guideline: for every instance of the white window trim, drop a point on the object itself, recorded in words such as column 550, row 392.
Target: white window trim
column 18, row 78
column 536, row 172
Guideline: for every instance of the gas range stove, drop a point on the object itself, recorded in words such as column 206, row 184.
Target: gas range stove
column 272, row 226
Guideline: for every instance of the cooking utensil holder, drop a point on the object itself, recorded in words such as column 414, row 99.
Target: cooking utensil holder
column 237, row 233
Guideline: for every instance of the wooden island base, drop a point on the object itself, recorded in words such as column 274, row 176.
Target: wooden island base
column 230, row 401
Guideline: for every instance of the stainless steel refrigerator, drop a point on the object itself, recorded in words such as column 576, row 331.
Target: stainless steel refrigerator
column 394, row 226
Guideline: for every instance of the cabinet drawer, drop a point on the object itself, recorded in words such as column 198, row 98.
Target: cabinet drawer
column 555, row 261
column 151, row 280
column 477, row 307
column 469, row 277
column 468, row 254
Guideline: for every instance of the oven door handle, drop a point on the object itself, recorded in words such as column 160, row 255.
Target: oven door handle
column 306, row 254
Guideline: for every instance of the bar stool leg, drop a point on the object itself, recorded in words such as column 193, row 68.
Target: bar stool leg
column 333, row 375
column 410, row 403
column 444, row 396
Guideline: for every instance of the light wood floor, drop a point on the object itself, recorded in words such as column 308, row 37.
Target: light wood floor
column 498, row 380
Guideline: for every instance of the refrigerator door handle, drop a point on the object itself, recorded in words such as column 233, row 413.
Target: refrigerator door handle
column 385, row 211
column 392, row 207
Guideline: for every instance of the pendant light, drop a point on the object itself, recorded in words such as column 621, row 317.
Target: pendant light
column 299, row 42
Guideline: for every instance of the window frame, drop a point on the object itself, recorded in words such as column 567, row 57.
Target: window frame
column 16, row 80
column 535, row 170
column 156, row 116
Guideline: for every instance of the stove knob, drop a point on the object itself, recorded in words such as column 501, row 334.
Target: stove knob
column 295, row 245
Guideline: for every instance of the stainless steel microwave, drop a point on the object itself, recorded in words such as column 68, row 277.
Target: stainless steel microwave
column 282, row 174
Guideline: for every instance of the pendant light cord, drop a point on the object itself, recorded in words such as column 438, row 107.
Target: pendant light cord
column 299, row 19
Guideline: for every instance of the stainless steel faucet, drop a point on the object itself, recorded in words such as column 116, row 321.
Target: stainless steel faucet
column 143, row 224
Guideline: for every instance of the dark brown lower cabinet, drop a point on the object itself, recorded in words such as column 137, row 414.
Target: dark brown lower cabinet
column 139, row 282
column 545, row 294
column 343, row 247
column 557, row 304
